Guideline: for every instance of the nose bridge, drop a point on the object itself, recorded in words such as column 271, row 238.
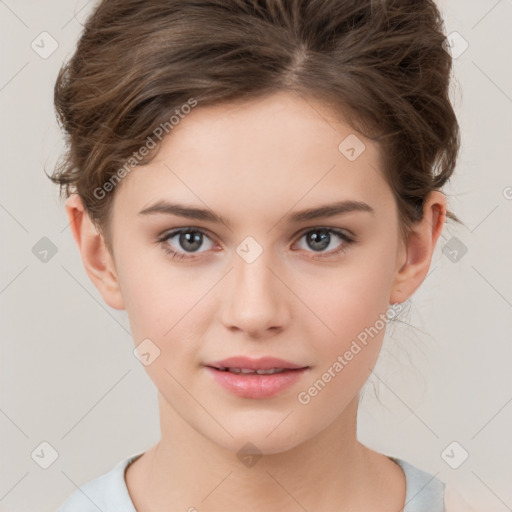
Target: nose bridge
column 253, row 277
column 254, row 301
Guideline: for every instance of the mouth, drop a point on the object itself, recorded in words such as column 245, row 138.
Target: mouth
column 262, row 378
column 243, row 364
column 259, row 371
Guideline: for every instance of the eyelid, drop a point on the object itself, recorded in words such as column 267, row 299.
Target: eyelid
column 169, row 233
column 346, row 232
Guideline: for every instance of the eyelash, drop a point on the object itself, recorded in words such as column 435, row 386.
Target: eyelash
column 347, row 241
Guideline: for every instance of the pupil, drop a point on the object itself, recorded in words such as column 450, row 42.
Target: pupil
column 319, row 242
column 192, row 237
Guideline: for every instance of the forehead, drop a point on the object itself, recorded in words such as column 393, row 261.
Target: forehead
column 264, row 156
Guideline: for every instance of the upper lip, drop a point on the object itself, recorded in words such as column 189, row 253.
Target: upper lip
column 263, row 363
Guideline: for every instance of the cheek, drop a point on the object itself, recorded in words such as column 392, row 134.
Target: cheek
column 350, row 298
column 355, row 310
column 167, row 306
column 352, row 307
column 155, row 293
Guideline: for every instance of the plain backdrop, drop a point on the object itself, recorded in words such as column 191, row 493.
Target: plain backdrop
column 69, row 378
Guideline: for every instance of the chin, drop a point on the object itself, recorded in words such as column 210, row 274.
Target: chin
column 257, row 443
column 263, row 437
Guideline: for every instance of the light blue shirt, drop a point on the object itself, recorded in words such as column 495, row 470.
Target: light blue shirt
column 108, row 492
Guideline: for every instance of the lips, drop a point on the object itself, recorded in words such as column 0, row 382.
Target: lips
column 256, row 378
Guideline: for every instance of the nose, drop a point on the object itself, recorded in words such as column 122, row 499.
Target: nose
column 256, row 299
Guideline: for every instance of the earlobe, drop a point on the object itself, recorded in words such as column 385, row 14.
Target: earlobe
column 419, row 249
column 97, row 260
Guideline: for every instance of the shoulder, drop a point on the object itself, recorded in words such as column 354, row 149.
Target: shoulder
column 107, row 492
column 424, row 492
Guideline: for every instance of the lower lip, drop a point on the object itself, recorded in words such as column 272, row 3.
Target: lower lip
column 256, row 386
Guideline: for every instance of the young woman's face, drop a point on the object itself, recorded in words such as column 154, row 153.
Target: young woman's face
column 265, row 282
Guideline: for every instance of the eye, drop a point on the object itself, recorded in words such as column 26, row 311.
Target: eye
column 189, row 240
column 320, row 238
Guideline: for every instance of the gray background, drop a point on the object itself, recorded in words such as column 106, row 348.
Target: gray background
column 68, row 376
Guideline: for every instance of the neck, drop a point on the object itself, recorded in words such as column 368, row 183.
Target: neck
column 186, row 470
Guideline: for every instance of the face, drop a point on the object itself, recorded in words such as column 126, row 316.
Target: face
column 263, row 282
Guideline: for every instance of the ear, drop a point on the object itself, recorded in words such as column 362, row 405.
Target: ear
column 419, row 248
column 96, row 258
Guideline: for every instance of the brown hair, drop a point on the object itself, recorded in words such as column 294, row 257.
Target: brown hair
column 381, row 64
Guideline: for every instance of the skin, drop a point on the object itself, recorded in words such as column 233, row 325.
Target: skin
column 255, row 164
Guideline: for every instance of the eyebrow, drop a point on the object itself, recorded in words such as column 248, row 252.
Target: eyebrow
column 189, row 212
